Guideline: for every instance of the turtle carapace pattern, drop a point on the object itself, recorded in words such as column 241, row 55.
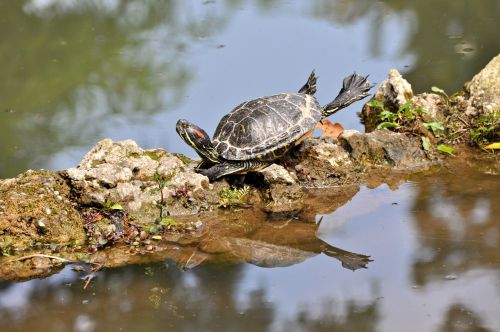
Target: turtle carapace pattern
column 259, row 131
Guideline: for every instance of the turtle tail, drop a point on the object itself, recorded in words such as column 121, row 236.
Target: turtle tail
column 355, row 87
column 310, row 87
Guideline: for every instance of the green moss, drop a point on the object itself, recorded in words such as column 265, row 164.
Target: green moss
column 134, row 155
column 154, row 154
column 185, row 160
column 6, row 248
column 96, row 163
column 486, row 129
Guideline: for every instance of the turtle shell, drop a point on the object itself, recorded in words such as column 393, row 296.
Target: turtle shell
column 265, row 128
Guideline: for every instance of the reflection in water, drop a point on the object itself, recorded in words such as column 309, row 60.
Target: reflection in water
column 458, row 224
column 283, row 243
column 75, row 66
column 461, row 318
column 445, row 39
column 357, row 317
column 436, row 268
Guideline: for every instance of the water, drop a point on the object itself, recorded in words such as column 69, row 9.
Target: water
column 75, row 72
column 436, row 266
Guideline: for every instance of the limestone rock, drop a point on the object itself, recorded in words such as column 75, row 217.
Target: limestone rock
column 124, row 173
column 277, row 174
column 484, row 89
column 433, row 103
column 384, row 147
column 34, row 207
column 284, row 198
column 395, row 90
column 283, row 194
column 322, row 162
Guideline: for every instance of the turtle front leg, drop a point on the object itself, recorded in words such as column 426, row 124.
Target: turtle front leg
column 226, row 168
column 204, row 164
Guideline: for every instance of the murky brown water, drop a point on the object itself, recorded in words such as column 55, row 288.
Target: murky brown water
column 74, row 72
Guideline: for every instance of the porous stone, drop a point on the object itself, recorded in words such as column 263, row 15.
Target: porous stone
column 484, row 90
column 277, row 174
column 27, row 217
column 122, row 172
column 385, row 147
column 395, row 90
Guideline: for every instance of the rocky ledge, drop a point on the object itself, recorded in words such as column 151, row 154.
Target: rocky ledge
column 121, row 193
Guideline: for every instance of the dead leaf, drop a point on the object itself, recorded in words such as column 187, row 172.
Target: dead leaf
column 330, row 129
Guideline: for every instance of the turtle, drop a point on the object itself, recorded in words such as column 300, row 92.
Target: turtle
column 260, row 131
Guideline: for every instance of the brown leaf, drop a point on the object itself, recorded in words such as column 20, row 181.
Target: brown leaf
column 330, row 129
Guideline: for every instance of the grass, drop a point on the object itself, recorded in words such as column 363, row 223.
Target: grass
column 232, row 197
column 412, row 120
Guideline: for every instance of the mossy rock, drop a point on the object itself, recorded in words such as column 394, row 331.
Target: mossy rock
column 34, row 207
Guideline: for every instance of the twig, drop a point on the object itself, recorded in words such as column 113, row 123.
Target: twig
column 88, row 279
column 44, row 256
column 189, row 259
column 283, row 225
column 463, row 121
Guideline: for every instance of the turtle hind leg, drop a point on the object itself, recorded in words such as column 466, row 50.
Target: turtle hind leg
column 355, row 87
column 226, row 168
column 310, row 87
column 349, row 260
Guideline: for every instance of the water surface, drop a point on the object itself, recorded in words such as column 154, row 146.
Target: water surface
column 434, row 242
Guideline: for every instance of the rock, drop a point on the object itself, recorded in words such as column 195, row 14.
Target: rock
column 277, row 174
column 283, row 194
column 122, row 172
column 190, row 180
column 393, row 92
column 284, row 198
column 28, row 218
column 385, row 147
column 484, row 90
column 433, row 103
column 321, row 162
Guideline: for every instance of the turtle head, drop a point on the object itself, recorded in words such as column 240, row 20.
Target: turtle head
column 198, row 139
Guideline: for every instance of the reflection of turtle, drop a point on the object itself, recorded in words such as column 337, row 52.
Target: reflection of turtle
column 262, row 130
column 265, row 254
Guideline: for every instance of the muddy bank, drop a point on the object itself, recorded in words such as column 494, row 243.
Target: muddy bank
column 123, row 204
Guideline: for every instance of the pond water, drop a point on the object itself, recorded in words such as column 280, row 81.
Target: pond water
column 434, row 242
column 75, row 72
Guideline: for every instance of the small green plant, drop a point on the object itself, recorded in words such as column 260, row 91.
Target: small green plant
column 162, row 182
column 486, row 129
column 401, row 118
column 408, row 119
column 231, row 197
column 446, row 149
column 161, row 224
column 5, row 248
column 426, row 143
column 109, row 205
column 440, row 91
column 185, row 160
column 436, row 127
